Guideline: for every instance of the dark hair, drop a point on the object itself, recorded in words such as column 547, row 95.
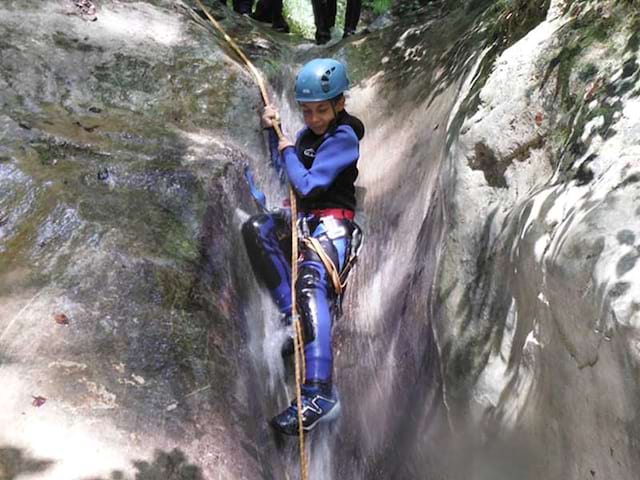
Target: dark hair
column 337, row 98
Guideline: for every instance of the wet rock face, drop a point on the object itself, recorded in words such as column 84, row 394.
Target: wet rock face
column 519, row 254
column 496, row 298
column 119, row 179
column 539, row 302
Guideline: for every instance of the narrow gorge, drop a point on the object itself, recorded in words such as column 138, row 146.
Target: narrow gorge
column 490, row 328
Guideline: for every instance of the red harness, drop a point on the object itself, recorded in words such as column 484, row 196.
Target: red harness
column 339, row 213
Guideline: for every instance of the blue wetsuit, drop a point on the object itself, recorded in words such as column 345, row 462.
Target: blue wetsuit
column 322, row 170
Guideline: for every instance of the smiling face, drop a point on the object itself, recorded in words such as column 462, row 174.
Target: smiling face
column 319, row 115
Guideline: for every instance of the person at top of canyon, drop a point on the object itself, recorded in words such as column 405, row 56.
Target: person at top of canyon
column 324, row 15
column 270, row 11
column 321, row 166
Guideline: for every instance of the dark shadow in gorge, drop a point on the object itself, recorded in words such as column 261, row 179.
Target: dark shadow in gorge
column 173, row 465
column 16, row 461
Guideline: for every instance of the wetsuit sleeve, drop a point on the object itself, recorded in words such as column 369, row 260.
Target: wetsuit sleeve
column 334, row 155
column 276, row 162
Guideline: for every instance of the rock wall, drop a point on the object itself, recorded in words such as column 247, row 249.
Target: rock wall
column 120, row 285
column 537, row 302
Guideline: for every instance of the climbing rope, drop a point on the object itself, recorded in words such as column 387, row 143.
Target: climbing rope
column 297, row 338
column 332, row 270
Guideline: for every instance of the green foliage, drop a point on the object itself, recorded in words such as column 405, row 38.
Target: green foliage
column 378, row 7
column 299, row 14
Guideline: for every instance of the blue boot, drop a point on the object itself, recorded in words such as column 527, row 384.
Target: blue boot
column 319, row 404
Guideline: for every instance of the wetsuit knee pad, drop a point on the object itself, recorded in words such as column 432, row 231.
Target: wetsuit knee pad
column 311, row 290
column 311, row 277
column 261, row 239
column 252, row 228
column 254, row 233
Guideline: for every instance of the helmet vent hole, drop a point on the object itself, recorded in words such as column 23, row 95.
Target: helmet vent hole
column 324, row 81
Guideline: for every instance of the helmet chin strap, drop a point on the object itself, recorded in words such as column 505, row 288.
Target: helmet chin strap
column 334, row 123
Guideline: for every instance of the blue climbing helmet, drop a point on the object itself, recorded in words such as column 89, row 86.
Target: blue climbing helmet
column 321, row 79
